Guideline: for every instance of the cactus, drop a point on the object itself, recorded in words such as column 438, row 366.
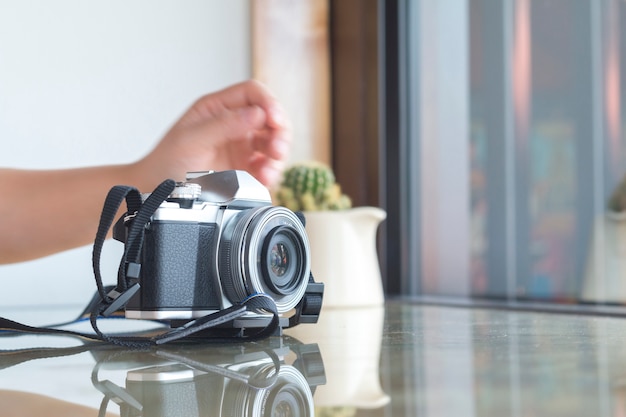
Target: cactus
column 311, row 187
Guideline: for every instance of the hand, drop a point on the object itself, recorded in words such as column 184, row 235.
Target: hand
column 241, row 127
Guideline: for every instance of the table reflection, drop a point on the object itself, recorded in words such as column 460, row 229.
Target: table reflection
column 277, row 376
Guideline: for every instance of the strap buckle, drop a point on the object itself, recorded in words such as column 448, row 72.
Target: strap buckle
column 120, row 299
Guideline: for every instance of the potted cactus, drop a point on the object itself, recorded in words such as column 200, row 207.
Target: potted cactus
column 342, row 238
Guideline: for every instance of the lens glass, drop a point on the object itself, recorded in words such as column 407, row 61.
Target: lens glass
column 279, row 259
column 283, row 254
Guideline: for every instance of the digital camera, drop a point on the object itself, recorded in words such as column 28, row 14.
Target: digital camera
column 215, row 241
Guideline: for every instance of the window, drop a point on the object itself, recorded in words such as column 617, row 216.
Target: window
column 501, row 144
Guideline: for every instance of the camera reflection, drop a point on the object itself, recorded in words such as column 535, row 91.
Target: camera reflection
column 274, row 378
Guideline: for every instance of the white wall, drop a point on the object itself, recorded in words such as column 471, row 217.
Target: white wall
column 84, row 83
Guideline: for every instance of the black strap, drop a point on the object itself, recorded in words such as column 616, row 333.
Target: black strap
column 11, row 327
column 112, row 203
column 110, row 301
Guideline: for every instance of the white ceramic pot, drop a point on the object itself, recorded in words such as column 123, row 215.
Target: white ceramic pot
column 605, row 275
column 344, row 256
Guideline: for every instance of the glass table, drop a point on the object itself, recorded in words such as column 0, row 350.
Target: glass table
column 406, row 359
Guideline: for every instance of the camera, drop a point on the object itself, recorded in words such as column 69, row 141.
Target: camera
column 215, row 241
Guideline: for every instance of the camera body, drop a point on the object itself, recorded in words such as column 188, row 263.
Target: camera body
column 213, row 243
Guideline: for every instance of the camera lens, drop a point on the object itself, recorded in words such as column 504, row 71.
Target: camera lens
column 283, row 252
column 265, row 250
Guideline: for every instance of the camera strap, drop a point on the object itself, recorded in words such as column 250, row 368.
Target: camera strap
column 110, row 300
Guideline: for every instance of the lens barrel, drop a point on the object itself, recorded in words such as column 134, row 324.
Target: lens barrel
column 265, row 250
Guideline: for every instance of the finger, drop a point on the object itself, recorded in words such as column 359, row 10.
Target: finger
column 250, row 93
column 232, row 125
column 268, row 171
column 275, row 145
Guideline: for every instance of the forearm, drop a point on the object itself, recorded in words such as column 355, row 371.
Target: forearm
column 43, row 212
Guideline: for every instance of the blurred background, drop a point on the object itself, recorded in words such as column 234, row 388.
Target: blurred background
column 490, row 130
column 499, row 149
